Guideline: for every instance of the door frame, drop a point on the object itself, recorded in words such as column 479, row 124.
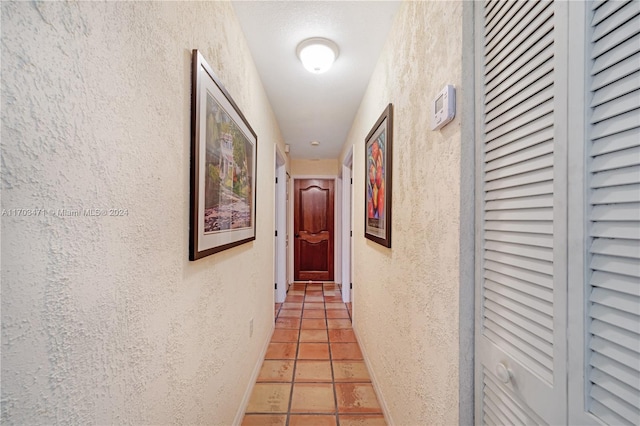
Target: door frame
column 467, row 267
column 280, row 214
column 336, row 220
column 347, row 225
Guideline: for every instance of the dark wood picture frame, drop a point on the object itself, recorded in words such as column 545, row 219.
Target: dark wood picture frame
column 378, row 149
column 223, row 167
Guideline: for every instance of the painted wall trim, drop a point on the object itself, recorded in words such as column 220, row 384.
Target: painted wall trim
column 252, row 382
column 466, row 314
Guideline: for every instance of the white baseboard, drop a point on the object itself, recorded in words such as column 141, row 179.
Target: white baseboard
column 254, row 376
column 374, row 382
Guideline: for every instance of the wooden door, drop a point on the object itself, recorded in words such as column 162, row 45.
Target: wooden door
column 313, row 229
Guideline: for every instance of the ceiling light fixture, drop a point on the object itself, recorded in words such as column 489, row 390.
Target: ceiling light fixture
column 315, row 143
column 317, row 54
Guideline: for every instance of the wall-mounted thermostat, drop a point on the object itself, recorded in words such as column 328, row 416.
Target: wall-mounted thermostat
column 444, row 107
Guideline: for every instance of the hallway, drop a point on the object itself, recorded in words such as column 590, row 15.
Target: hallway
column 313, row 373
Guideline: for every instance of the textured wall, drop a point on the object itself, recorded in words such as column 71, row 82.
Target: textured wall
column 104, row 319
column 405, row 298
column 322, row 167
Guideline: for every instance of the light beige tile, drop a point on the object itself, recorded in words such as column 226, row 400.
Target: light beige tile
column 338, row 323
column 316, row 324
column 313, row 313
column 313, row 305
column 334, row 305
column 281, row 351
column 356, row 398
column 264, row 420
column 345, row 351
column 290, row 313
column 269, row 398
column 342, row 336
column 292, row 305
column 313, row 398
column 313, row 371
column 282, row 335
column 350, row 371
column 337, row 313
column 362, row 420
column 312, row 420
column 288, row 323
column 313, row 336
column 276, row 371
column 314, row 351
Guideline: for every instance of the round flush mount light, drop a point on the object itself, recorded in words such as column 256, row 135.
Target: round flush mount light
column 315, row 143
column 317, row 54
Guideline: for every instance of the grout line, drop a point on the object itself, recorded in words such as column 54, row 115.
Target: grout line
column 333, row 375
column 295, row 362
column 288, row 414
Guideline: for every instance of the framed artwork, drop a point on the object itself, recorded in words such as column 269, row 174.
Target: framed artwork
column 378, row 150
column 223, row 167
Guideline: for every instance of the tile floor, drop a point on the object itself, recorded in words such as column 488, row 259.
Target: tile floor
column 313, row 373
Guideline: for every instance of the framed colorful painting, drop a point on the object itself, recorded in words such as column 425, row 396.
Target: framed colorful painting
column 378, row 156
column 223, row 167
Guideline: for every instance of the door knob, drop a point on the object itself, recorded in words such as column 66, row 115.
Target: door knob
column 503, row 373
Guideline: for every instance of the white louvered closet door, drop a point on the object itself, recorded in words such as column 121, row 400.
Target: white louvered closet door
column 521, row 213
column 613, row 211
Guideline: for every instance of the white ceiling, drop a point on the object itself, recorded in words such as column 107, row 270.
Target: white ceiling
column 310, row 106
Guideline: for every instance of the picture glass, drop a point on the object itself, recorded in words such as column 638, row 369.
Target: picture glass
column 376, row 178
column 378, row 151
column 228, row 193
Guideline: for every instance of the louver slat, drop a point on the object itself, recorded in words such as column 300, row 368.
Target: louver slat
column 614, row 309
column 535, row 25
column 618, row 88
column 620, row 105
column 623, row 70
column 543, row 135
column 627, row 12
column 621, row 354
column 617, row 160
column 623, row 33
column 616, row 142
column 520, row 92
column 507, row 75
column 616, row 247
column 507, row 22
column 537, row 188
column 520, row 238
column 615, row 64
column 624, row 176
column 605, row 10
column 513, row 409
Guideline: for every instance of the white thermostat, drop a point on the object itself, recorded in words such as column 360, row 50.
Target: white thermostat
column 444, row 107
